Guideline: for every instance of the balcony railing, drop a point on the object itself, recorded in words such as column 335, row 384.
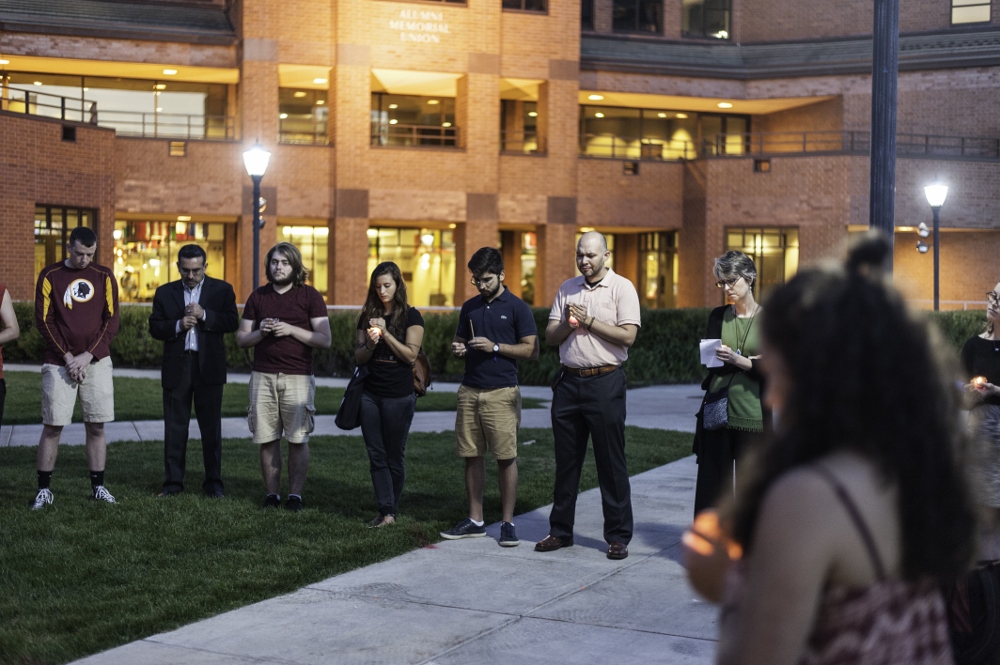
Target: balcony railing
column 169, row 125
column 385, row 134
column 521, row 143
column 616, row 147
column 125, row 123
column 848, row 142
column 302, row 131
column 31, row 102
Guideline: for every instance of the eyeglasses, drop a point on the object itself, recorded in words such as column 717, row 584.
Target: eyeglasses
column 992, row 297
column 484, row 281
column 722, row 283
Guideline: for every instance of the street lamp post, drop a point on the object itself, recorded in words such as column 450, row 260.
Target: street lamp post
column 936, row 195
column 255, row 159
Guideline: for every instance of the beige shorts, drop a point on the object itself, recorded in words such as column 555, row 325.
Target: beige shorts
column 488, row 418
column 59, row 392
column 281, row 404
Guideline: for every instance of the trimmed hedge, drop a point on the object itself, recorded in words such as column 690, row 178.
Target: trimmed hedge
column 665, row 351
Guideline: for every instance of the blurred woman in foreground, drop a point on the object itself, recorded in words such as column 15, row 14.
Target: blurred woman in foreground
column 859, row 508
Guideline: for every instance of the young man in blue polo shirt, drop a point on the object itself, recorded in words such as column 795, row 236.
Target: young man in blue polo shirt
column 495, row 329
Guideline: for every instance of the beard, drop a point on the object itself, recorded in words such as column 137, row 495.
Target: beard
column 280, row 282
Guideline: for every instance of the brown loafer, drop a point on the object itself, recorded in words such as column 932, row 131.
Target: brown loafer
column 617, row 551
column 552, row 543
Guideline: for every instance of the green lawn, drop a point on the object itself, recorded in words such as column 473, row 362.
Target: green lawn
column 81, row 577
column 142, row 399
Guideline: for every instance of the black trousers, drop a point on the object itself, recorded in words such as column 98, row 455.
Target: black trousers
column 582, row 409
column 3, row 397
column 385, row 425
column 177, row 418
column 718, row 461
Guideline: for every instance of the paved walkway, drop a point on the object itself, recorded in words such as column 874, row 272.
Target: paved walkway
column 470, row 601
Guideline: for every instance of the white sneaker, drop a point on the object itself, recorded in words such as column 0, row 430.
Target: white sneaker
column 101, row 493
column 42, row 499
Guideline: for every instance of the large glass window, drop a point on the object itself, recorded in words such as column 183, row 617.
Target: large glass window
column 410, row 120
column 312, row 242
column 707, row 19
column 725, row 134
column 53, row 224
column 637, row 16
column 626, row 133
column 302, row 116
column 970, row 11
column 426, row 258
column 132, row 107
column 775, row 252
column 519, row 126
column 520, row 257
column 146, row 254
column 526, row 5
column 657, row 269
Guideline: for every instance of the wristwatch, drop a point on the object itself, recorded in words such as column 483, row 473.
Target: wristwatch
column 496, row 348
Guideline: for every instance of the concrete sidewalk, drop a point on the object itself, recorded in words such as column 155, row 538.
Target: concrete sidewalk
column 471, row 601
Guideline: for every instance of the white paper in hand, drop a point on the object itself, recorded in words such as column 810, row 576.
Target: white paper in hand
column 707, row 348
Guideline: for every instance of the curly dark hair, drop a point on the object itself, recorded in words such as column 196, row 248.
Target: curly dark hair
column 874, row 378
column 373, row 307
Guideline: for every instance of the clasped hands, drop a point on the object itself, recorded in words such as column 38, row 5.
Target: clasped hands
column 979, row 387
column 193, row 313
column 576, row 316
column 76, row 366
column 275, row 327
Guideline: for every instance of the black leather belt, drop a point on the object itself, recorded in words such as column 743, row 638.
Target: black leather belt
column 591, row 371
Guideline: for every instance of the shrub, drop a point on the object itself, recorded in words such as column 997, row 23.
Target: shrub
column 665, row 350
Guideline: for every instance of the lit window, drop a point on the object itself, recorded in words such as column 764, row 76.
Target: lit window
column 970, row 11
column 526, row 5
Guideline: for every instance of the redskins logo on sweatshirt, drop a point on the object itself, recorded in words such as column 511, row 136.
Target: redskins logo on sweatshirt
column 79, row 290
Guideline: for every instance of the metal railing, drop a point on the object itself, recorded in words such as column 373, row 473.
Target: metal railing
column 125, row 123
column 847, row 142
column 521, row 143
column 32, row 102
column 385, row 134
column 169, row 125
column 616, row 147
column 302, row 131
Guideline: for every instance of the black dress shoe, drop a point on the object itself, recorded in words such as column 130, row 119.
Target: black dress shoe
column 617, row 551
column 551, row 543
column 216, row 494
column 167, row 493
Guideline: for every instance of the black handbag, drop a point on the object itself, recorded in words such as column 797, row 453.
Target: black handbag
column 715, row 409
column 349, row 413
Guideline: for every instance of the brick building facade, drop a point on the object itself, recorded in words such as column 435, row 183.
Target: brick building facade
column 421, row 131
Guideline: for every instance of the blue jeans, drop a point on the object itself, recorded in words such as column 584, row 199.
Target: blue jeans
column 385, row 425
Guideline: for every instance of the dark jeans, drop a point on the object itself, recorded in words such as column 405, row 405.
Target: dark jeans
column 721, row 452
column 591, row 408
column 3, row 397
column 385, row 424
column 177, row 417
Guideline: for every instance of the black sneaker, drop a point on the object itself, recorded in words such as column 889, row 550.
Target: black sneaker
column 464, row 529
column 508, row 537
column 294, row 503
column 271, row 501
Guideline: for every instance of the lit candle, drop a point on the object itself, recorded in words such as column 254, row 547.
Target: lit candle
column 978, row 380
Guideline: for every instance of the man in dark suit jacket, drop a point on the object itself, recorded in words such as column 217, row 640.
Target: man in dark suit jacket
column 191, row 316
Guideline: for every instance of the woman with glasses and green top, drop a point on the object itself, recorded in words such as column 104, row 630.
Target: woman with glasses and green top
column 720, row 443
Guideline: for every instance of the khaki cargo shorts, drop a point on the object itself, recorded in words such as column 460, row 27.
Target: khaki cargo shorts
column 488, row 418
column 281, row 404
column 59, row 393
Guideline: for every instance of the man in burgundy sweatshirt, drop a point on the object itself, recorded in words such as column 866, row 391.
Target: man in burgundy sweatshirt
column 76, row 311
